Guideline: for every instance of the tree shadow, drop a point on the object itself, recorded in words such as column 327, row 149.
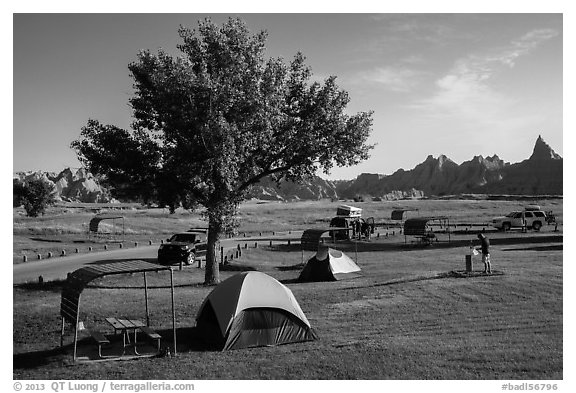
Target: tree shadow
column 232, row 267
column 48, row 286
column 291, row 281
column 438, row 276
column 298, row 266
column 555, row 247
column 39, row 239
column 36, row 359
column 293, row 247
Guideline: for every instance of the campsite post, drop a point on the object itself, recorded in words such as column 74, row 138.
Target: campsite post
column 146, row 300
column 173, row 310
column 469, row 259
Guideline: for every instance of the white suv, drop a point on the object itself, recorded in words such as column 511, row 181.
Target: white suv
column 529, row 218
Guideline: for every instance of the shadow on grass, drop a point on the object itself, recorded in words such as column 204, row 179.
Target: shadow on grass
column 39, row 239
column 294, row 247
column 450, row 274
column 465, row 274
column 231, row 267
column 36, row 359
column 556, row 247
column 188, row 339
column 49, row 286
column 291, row 281
column 298, row 266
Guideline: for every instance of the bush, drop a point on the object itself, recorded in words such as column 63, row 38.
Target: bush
column 18, row 193
column 35, row 196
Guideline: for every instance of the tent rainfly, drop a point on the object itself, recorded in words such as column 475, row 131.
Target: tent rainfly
column 252, row 309
column 329, row 265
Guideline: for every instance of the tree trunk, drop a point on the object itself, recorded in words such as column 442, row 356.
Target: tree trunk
column 212, row 273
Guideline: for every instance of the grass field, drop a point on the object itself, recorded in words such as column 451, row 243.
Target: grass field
column 407, row 317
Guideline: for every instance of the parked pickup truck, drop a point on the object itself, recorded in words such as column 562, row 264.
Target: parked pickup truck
column 531, row 217
column 183, row 247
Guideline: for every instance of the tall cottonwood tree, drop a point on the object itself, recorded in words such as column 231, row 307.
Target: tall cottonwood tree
column 212, row 122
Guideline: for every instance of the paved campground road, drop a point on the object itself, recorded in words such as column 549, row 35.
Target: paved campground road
column 58, row 267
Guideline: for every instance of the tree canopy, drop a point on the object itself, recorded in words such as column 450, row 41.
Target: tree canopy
column 212, row 122
column 35, row 195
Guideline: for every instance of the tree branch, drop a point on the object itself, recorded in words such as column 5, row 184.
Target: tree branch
column 265, row 173
column 262, row 175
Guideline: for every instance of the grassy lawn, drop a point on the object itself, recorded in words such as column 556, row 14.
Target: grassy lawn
column 405, row 318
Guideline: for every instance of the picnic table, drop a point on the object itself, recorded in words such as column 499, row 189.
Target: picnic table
column 426, row 239
column 126, row 327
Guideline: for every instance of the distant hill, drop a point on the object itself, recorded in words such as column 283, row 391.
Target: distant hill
column 314, row 189
column 72, row 186
column 541, row 174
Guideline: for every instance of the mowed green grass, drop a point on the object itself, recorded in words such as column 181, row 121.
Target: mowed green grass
column 403, row 319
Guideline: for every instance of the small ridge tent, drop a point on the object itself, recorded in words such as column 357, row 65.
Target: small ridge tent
column 252, row 309
column 329, row 265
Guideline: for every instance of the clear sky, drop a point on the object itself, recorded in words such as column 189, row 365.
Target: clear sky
column 454, row 84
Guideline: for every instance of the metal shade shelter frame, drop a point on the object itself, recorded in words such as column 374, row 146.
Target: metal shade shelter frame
column 95, row 221
column 398, row 214
column 417, row 226
column 79, row 279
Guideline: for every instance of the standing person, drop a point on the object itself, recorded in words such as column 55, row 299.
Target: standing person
column 358, row 229
column 485, row 248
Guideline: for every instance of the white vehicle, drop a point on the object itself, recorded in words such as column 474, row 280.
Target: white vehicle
column 349, row 211
column 531, row 217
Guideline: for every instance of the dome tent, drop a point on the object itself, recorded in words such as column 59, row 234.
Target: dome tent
column 329, row 265
column 252, row 309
